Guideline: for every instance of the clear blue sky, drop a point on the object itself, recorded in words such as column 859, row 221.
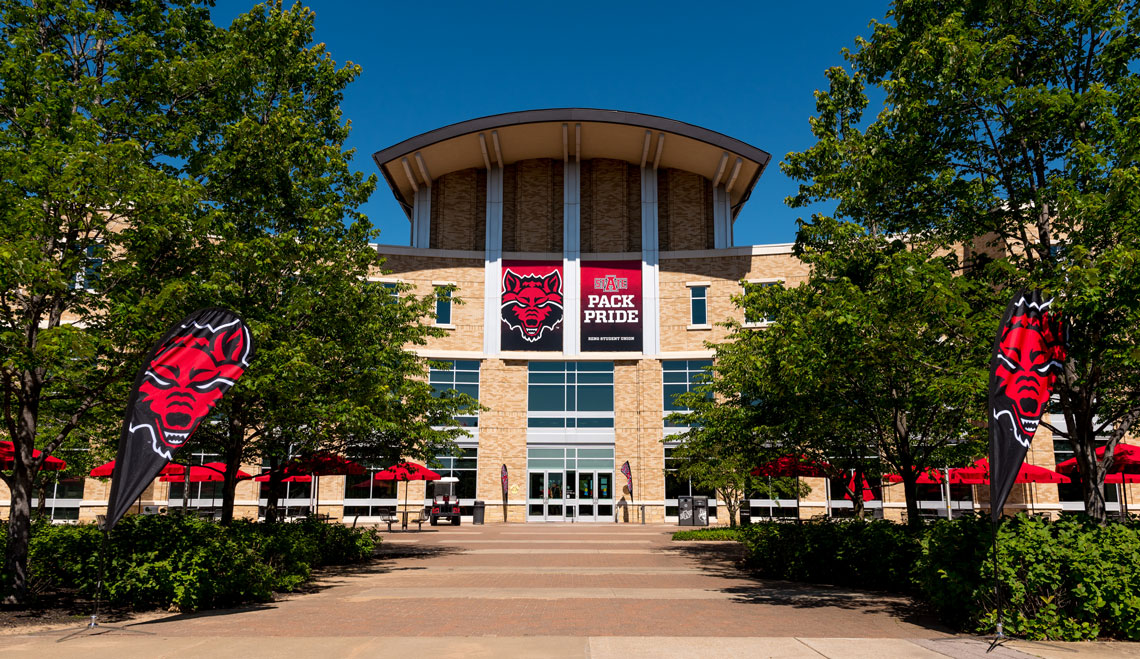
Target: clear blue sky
column 746, row 69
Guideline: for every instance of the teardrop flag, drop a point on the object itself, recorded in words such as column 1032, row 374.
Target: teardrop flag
column 628, row 477
column 1029, row 354
column 180, row 382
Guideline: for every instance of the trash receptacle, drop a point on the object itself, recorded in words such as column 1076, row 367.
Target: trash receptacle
column 700, row 511
column 478, row 511
column 745, row 513
column 684, row 511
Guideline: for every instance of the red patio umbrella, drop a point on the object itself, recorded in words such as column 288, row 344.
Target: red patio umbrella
column 1027, row 474
column 793, row 465
column 8, row 456
column 1125, row 458
column 211, row 472
column 868, row 494
column 322, row 463
column 107, row 469
column 264, row 478
column 406, row 471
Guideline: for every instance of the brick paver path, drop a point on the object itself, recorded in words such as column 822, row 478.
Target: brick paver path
column 539, row 591
column 561, row 580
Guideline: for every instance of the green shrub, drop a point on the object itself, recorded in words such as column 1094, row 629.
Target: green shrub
column 185, row 563
column 865, row 554
column 708, row 534
column 1064, row 580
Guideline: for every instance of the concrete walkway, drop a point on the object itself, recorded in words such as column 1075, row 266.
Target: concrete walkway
column 549, row 591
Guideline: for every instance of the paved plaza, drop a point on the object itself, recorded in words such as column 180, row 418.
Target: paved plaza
column 548, row 591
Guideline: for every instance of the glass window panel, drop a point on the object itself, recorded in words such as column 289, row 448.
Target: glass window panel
column 595, row 423
column 593, row 398
column 596, row 453
column 546, row 399
column 540, row 422
column 596, row 366
column 547, row 378
column 545, row 453
column 544, row 464
column 546, row 366
column 595, row 378
column 467, row 376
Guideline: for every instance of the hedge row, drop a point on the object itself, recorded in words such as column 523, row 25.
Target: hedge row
column 716, row 533
column 1064, row 580
column 184, row 563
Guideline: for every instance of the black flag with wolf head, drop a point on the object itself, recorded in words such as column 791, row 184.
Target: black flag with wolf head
column 184, row 377
column 1029, row 354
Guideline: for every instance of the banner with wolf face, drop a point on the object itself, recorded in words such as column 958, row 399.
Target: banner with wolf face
column 532, row 305
column 1029, row 354
column 184, row 377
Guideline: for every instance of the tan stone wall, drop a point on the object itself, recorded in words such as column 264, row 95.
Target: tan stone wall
column 502, row 437
column 684, row 210
column 466, row 274
column 638, row 429
column 610, row 212
column 532, row 206
column 459, row 210
column 723, row 274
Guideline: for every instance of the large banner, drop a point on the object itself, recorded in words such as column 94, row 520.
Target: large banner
column 1029, row 354
column 611, row 306
column 532, row 305
column 184, row 377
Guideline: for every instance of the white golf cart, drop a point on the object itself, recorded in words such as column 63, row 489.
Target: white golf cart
column 445, row 503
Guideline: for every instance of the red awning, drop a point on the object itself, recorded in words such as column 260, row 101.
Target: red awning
column 1027, row 474
column 211, row 472
column 323, row 463
column 407, row 471
column 1125, row 458
column 793, row 465
column 8, row 456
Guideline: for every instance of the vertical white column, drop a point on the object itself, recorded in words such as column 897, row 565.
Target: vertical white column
column 493, row 262
column 571, row 258
column 722, row 218
column 421, row 218
column 650, row 281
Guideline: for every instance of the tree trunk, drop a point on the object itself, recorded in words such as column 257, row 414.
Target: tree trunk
column 910, row 491
column 19, row 534
column 732, row 504
column 276, row 480
column 1092, row 479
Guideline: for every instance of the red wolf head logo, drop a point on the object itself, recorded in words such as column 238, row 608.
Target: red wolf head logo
column 1028, row 359
column 532, row 304
column 187, row 377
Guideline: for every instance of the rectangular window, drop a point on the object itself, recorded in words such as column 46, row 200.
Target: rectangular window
column 442, row 305
column 679, row 377
column 92, row 269
column 753, row 318
column 459, row 376
column 698, row 300
column 63, row 496
column 1071, row 494
column 201, row 495
column 364, row 496
column 570, row 395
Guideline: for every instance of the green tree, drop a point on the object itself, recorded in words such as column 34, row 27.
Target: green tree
column 875, row 357
column 1008, row 128
column 98, row 230
column 332, row 369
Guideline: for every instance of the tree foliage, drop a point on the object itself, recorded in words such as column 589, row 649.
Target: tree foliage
column 1008, row 128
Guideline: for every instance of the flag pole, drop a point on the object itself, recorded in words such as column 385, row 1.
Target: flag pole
column 999, row 636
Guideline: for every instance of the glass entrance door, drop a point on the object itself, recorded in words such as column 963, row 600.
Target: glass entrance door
column 546, row 496
column 595, row 496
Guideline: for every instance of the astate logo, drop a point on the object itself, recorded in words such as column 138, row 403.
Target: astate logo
column 611, row 283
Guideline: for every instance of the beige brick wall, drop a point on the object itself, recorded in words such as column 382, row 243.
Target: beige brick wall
column 723, row 274
column 638, row 432
column 684, row 210
column 466, row 274
column 459, row 210
column 502, row 437
column 532, row 206
column 610, row 212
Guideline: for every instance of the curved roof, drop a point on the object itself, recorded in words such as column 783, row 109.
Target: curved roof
column 569, row 133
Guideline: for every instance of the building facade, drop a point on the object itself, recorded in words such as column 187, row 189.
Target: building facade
column 590, row 259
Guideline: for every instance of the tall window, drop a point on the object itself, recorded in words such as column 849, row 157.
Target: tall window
column 698, row 305
column 570, row 395
column 675, row 486
column 63, row 496
column 92, row 261
column 365, row 496
column 680, row 376
column 1071, row 495
column 461, row 465
column 202, row 495
column 459, row 376
column 442, row 305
